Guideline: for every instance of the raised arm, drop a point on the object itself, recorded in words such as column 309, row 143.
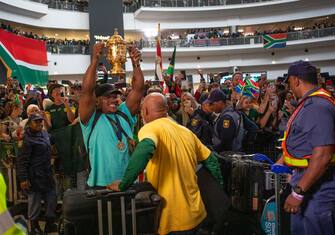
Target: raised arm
column 87, row 98
column 133, row 100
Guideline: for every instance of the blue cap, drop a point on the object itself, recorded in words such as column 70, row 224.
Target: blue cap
column 216, row 95
column 35, row 116
column 303, row 70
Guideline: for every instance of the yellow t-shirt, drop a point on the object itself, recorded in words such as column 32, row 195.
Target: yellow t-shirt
column 171, row 171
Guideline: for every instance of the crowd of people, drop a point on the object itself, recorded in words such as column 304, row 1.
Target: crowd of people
column 164, row 126
column 221, row 33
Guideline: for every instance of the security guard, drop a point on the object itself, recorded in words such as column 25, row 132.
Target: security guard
column 308, row 148
column 229, row 130
column 7, row 224
column 201, row 121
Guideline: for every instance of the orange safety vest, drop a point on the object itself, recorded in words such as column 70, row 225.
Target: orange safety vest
column 288, row 158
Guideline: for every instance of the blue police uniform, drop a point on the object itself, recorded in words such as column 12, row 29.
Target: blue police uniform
column 312, row 127
column 229, row 131
column 201, row 124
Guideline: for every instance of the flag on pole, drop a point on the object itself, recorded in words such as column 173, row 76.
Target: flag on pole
column 170, row 69
column 159, row 61
column 24, row 58
column 277, row 40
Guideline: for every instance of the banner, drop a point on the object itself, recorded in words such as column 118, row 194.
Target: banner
column 24, row 58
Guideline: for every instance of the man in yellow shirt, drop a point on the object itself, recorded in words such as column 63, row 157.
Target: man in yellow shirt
column 170, row 153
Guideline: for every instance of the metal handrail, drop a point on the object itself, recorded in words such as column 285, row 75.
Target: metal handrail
column 195, row 3
column 292, row 36
column 64, row 5
column 134, row 5
column 248, row 40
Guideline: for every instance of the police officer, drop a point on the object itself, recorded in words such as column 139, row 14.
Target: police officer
column 7, row 224
column 229, row 129
column 201, row 121
column 308, row 148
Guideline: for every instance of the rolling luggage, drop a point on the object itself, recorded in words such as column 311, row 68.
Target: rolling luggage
column 135, row 211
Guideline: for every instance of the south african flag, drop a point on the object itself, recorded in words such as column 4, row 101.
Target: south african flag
column 277, row 40
column 251, row 88
column 239, row 87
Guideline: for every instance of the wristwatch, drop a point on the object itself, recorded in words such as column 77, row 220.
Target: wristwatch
column 299, row 190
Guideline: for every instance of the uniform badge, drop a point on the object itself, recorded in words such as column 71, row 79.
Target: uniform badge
column 226, row 123
column 194, row 122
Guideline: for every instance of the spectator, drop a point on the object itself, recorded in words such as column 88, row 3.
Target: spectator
column 10, row 125
column 35, row 174
column 187, row 107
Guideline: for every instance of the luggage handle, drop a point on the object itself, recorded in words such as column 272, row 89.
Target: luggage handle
column 106, row 193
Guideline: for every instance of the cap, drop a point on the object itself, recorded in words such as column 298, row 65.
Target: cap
column 106, row 89
column 204, row 98
column 35, row 116
column 303, row 70
column 216, row 95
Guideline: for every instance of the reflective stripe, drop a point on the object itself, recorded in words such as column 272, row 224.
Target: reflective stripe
column 288, row 158
column 295, row 162
column 6, row 222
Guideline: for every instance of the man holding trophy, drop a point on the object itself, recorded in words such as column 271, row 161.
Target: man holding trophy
column 107, row 124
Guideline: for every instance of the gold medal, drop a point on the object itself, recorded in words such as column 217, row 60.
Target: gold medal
column 120, row 145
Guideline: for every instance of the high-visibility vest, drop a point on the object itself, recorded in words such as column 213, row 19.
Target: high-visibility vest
column 7, row 224
column 289, row 159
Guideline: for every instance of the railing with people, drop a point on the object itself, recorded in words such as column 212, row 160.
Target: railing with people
column 195, row 3
column 248, row 40
column 133, row 5
column 68, row 49
column 65, row 5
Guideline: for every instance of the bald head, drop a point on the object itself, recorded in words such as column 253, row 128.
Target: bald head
column 32, row 108
column 154, row 106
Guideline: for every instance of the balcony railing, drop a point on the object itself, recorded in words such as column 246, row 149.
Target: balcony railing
column 293, row 36
column 133, row 5
column 68, row 49
column 65, row 5
column 195, row 3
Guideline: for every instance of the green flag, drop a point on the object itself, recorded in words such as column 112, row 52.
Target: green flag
column 170, row 70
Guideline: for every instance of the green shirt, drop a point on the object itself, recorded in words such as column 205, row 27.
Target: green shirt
column 58, row 116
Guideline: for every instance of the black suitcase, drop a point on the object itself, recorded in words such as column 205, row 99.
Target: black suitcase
column 244, row 180
column 136, row 211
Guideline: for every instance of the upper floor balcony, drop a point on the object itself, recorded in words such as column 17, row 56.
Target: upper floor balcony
column 208, row 44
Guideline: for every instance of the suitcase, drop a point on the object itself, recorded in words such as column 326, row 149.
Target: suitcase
column 245, row 181
column 136, row 211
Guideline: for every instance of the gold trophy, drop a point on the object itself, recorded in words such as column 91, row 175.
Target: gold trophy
column 117, row 54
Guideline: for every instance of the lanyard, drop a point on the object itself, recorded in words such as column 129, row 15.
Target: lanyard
column 117, row 128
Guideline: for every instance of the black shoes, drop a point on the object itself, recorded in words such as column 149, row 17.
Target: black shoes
column 35, row 228
column 50, row 226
